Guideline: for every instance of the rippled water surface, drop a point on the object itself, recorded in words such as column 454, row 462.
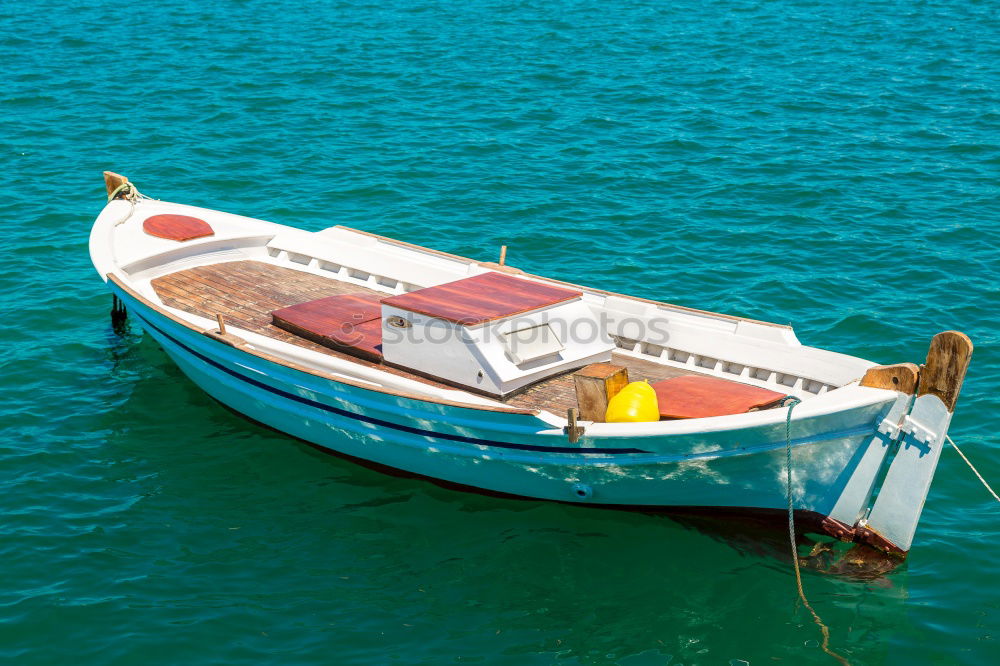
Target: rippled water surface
column 827, row 165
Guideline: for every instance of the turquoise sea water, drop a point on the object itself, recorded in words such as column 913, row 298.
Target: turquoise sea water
column 810, row 163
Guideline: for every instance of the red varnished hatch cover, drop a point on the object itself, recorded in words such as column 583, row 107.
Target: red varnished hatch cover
column 177, row 227
column 481, row 298
column 695, row 397
column 348, row 322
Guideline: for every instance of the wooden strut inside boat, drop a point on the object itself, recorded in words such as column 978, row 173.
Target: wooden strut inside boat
column 475, row 373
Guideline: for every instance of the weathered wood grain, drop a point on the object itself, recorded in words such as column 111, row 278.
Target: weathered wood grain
column 247, row 292
column 112, row 181
column 573, row 431
column 595, row 385
column 339, row 378
column 947, row 361
column 899, row 377
column 558, row 393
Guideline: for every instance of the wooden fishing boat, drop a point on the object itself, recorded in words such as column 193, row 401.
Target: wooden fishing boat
column 479, row 375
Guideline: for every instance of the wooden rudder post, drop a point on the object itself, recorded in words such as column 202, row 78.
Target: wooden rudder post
column 596, row 384
column 947, row 361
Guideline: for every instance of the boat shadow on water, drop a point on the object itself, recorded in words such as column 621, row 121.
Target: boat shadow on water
column 761, row 534
column 766, row 535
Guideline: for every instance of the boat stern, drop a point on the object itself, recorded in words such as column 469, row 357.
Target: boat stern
column 912, row 436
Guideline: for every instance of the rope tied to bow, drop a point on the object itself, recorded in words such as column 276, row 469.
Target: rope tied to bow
column 130, row 193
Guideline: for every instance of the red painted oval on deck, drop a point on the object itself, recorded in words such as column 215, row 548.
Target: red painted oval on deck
column 177, row 227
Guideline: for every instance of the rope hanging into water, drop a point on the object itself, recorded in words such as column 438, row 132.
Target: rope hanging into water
column 973, row 468
column 791, row 402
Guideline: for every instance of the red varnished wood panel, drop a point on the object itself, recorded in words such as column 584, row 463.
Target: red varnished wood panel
column 366, row 339
column 481, row 298
column 697, row 396
column 352, row 321
column 177, row 227
column 327, row 316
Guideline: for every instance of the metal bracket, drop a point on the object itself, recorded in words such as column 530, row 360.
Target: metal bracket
column 921, row 433
column 574, row 431
column 889, row 428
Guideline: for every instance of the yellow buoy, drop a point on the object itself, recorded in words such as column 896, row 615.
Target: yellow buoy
column 634, row 403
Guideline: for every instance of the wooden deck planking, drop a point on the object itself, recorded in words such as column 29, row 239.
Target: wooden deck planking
column 246, row 292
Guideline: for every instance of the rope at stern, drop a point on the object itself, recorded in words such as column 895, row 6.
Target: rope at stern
column 791, row 401
column 973, row 468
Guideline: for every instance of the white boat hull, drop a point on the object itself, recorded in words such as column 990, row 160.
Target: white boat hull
column 844, row 436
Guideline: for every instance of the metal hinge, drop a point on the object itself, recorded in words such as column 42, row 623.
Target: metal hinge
column 889, row 428
column 909, row 426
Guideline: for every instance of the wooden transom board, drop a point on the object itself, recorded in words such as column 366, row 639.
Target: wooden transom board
column 481, row 298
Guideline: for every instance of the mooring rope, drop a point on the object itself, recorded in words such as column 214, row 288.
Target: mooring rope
column 973, row 468
column 131, row 194
column 118, row 190
column 791, row 402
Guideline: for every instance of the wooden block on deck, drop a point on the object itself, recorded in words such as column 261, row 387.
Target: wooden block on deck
column 596, row 384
